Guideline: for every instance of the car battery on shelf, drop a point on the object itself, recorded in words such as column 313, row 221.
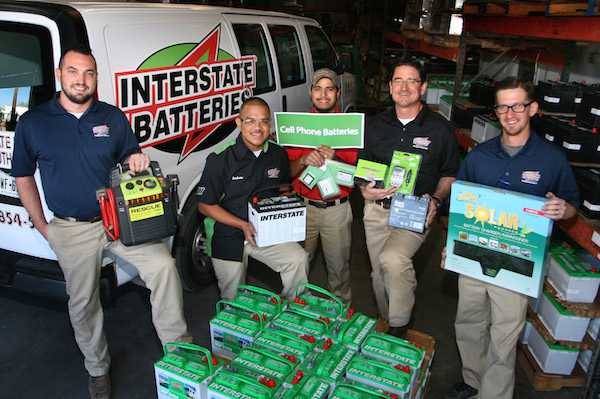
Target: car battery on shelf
column 328, row 362
column 300, row 323
column 303, row 386
column 482, row 93
column 556, row 96
column 185, row 372
column 588, row 111
column 446, row 107
column 287, row 344
column 552, row 359
column 380, row 375
column 229, row 385
column 543, row 125
column 463, row 113
column 260, row 300
column 485, row 127
column 267, row 367
column 588, row 180
column 327, row 307
column 351, row 391
column 560, row 323
column 581, row 144
column 234, row 327
column 573, row 277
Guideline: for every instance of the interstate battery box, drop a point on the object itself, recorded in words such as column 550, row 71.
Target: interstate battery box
column 278, row 219
column 234, row 327
column 139, row 208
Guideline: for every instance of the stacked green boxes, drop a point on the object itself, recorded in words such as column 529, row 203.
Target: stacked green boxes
column 328, row 308
column 377, row 374
column 349, row 391
column 300, row 386
column 267, row 367
column 260, row 300
column 228, row 385
column 352, row 331
column 300, row 323
column 329, row 363
column 185, row 372
column 285, row 343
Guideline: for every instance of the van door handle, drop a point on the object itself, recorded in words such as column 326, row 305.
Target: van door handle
column 284, row 103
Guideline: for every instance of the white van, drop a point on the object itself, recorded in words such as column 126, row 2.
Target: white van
column 179, row 72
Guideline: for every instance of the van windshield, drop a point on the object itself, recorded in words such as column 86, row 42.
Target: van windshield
column 322, row 52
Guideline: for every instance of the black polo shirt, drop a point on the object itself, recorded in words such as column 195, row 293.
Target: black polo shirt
column 231, row 176
column 429, row 134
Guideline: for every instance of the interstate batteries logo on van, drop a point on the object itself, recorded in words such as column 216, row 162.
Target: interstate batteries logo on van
column 179, row 96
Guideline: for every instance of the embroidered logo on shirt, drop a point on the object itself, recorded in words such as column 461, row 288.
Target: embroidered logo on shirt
column 100, row 131
column 237, row 177
column 421, row 142
column 200, row 190
column 273, row 173
column 530, row 177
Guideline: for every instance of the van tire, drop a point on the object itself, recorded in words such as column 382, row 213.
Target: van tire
column 194, row 265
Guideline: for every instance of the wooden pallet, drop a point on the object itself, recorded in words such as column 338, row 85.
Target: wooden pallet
column 547, row 382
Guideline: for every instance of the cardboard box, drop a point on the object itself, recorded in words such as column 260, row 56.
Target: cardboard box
column 498, row 236
column 185, row 372
column 278, row 220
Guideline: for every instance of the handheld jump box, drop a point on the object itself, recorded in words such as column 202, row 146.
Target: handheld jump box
column 498, row 236
column 139, row 208
column 278, row 220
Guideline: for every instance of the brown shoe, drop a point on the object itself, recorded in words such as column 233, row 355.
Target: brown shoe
column 100, row 387
column 382, row 326
column 399, row 332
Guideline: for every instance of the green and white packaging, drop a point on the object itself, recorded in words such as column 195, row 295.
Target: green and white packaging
column 300, row 323
column 403, row 172
column 327, row 185
column 311, row 175
column 263, row 363
column 228, row 385
column 342, row 172
column 350, row 391
column 185, row 372
column 302, row 386
column 327, row 306
column 285, row 343
column 352, row 332
column 260, row 300
column 393, row 350
column 233, row 328
column 329, row 363
column 380, row 375
column 572, row 277
column 368, row 171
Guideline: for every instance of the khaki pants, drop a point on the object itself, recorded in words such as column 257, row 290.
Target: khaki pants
column 488, row 322
column 288, row 259
column 393, row 276
column 334, row 226
column 79, row 248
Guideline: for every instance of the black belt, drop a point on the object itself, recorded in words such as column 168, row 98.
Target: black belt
column 90, row 220
column 326, row 204
column 384, row 204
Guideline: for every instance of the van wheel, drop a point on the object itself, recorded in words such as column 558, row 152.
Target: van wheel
column 194, row 265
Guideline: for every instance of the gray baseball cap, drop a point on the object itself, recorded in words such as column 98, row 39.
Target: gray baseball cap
column 326, row 73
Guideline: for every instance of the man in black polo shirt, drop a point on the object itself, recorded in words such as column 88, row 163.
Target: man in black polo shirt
column 410, row 126
column 232, row 175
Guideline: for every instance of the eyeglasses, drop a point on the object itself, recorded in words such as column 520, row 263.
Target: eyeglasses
column 517, row 108
column 252, row 122
column 409, row 81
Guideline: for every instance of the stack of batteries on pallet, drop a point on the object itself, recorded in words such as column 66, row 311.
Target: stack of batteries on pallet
column 311, row 347
column 576, row 132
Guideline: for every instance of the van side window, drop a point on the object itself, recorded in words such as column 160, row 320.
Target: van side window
column 253, row 41
column 292, row 70
column 323, row 54
column 26, row 70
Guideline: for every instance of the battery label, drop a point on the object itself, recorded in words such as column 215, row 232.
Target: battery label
column 146, row 211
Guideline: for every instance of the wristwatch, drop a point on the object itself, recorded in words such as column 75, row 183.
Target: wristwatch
column 437, row 199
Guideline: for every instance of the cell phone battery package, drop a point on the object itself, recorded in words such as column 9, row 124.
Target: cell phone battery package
column 498, row 236
column 408, row 212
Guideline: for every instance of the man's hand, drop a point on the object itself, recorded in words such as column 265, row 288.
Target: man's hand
column 443, row 263
column 557, row 208
column 318, row 156
column 138, row 162
column 249, row 233
column 371, row 193
column 431, row 212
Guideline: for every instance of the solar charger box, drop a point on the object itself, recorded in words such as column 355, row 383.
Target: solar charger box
column 498, row 236
column 278, row 220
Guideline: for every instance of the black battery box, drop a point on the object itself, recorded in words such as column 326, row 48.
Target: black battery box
column 588, row 111
column 588, row 180
column 482, row 93
column 556, row 96
column 580, row 143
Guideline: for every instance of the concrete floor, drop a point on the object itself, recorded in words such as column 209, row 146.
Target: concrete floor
column 39, row 357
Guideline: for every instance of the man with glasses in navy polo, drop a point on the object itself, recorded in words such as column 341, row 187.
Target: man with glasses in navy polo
column 231, row 176
column 411, row 127
column 489, row 318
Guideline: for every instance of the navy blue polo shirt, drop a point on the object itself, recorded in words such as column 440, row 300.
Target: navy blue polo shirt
column 538, row 168
column 429, row 134
column 231, row 176
column 74, row 155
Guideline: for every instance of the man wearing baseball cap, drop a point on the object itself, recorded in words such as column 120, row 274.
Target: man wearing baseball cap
column 329, row 219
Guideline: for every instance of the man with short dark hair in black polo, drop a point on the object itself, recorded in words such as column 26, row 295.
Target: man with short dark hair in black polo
column 232, row 175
